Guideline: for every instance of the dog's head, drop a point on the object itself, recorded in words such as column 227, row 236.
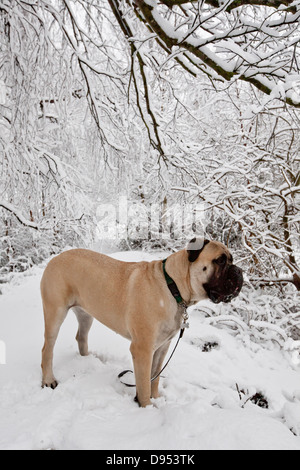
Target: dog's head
column 213, row 271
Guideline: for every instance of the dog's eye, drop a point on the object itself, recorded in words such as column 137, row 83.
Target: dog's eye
column 221, row 261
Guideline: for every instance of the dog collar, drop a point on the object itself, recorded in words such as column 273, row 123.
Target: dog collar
column 172, row 285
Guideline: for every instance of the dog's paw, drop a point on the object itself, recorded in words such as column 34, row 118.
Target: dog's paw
column 50, row 384
column 144, row 403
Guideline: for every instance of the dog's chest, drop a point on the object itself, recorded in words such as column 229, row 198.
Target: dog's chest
column 169, row 328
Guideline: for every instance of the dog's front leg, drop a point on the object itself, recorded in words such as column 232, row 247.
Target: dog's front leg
column 142, row 361
column 157, row 365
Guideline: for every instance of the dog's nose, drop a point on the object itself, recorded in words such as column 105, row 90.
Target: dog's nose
column 235, row 280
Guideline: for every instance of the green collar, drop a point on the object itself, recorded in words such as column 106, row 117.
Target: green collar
column 172, row 285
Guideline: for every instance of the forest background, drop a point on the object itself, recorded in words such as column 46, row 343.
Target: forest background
column 186, row 110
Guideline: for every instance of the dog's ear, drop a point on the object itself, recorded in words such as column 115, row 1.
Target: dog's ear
column 194, row 248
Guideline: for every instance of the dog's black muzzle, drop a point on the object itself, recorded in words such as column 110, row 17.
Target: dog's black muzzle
column 228, row 286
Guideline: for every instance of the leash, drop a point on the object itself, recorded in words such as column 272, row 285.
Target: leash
column 185, row 316
column 184, row 325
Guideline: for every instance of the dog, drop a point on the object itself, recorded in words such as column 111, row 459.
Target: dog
column 135, row 299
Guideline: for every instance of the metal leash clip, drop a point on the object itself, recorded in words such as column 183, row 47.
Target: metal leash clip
column 185, row 317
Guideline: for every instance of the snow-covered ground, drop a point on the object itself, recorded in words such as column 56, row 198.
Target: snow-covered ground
column 205, row 389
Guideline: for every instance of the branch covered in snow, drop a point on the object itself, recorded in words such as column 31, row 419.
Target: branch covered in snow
column 19, row 216
column 253, row 41
column 237, row 3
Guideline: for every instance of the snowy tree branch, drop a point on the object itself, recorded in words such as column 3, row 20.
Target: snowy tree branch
column 237, row 3
column 154, row 136
column 19, row 216
column 257, row 46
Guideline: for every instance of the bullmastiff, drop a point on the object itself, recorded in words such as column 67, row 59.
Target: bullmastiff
column 141, row 301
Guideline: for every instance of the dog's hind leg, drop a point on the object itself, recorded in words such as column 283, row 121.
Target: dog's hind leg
column 54, row 317
column 84, row 324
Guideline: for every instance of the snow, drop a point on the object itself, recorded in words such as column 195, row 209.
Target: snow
column 206, row 391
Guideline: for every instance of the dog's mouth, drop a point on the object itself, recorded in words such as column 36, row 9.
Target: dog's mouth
column 227, row 288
